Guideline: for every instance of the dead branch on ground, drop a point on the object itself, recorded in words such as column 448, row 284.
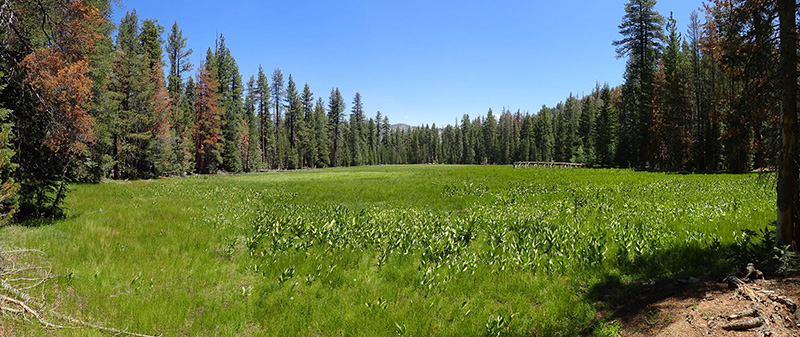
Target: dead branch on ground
column 25, row 270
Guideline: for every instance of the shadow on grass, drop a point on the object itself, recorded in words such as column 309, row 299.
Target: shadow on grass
column 46, row 221
column 680, row 272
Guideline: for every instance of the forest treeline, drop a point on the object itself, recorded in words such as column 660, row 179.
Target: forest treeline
column 81, row 105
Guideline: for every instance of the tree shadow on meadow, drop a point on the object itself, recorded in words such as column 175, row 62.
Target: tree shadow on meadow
column 47, row 221
column 679, row 272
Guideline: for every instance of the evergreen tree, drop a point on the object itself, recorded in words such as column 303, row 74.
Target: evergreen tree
column 335, row 109
column 8, row 187
column 544, row 135
column 490, row 139
column 642, row 35
column 180, row 117
column 230, row 92
column 133, row 92
column 276, row 91
column 586, row 127
column 678, row 110
column 252, row 151
column 160, row 153
column 321, row 134
column 184, row 151
column 207, row 131
column 268, row 141
column 568, row 124
column 468, row 151
column 150, row 39
column 356, row 131
column 505, row 138
column 308, row 135
column 386, row 141
column 528, row 149
column 702, row 120
column 294, row 120
column 179, row 64
column 606, row 129
column 48, row 51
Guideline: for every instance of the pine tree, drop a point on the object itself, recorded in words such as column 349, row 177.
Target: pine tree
column 335, row 109
column 702, row 120
column 379, row 147
column 276, row 91
column 505, row 138
column 606, row 129
column 251, row 140
column 230, row 92
column 150, row 40
column 356, row 131
column 159, row 156
column 184, row 152
column 490, row 139
column 321, row 134
column 678, row 110
column 8, row 187
column 294, row 120
column 97, row 163
column 568, row 124
column 47, row 52
column 586, row 127
column 207, row 132
column 308, row 135
column 179, row 64
column 293, row 110
column 545, row 139
column 528, row 149
column 268, row 141
column 133, row 90
column 642, row 35
column 468, row 151
column 161, row 148
column 386, row 141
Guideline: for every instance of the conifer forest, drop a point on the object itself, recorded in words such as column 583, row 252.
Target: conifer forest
column 143, row 192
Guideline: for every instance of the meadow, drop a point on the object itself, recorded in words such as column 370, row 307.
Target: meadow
column 383, row 250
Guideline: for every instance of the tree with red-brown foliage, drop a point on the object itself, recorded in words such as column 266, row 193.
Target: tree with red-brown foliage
column 47, row 47
column 207, row 132
column 740, row 41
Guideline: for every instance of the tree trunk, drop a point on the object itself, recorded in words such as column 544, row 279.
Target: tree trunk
column 787, row 223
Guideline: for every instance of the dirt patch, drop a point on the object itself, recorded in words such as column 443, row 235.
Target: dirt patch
column 694, row 307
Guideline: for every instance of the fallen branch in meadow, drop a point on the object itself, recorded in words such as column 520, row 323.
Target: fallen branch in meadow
column 742, row 288
column 757, row 318
column 22, row 270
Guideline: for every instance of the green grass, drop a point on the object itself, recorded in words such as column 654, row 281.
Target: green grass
column 414, row 250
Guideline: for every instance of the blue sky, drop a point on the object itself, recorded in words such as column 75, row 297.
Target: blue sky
column 417, row 61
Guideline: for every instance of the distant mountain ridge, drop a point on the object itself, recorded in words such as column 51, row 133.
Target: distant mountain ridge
column 401, row 126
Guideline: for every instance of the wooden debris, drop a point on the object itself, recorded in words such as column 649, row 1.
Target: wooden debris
column 751, row 270
column 785, row 301
column 745, row 324
column 753, row 311
column 29, row 269
column 742, row 288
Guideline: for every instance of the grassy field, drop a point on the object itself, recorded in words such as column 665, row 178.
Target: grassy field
column 414, row 250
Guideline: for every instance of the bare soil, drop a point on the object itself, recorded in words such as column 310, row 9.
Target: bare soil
column 693, row 307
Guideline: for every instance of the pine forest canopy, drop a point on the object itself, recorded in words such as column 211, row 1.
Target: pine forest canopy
column 87, row 99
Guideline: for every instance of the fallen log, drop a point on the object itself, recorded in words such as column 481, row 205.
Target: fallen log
column 745, row 324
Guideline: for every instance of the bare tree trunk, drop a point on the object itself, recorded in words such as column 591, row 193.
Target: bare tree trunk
column 787, row 224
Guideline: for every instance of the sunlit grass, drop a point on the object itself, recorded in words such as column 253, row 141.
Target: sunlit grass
column 258, row 254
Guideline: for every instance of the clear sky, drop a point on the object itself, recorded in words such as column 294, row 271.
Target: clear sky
column 417, row 61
